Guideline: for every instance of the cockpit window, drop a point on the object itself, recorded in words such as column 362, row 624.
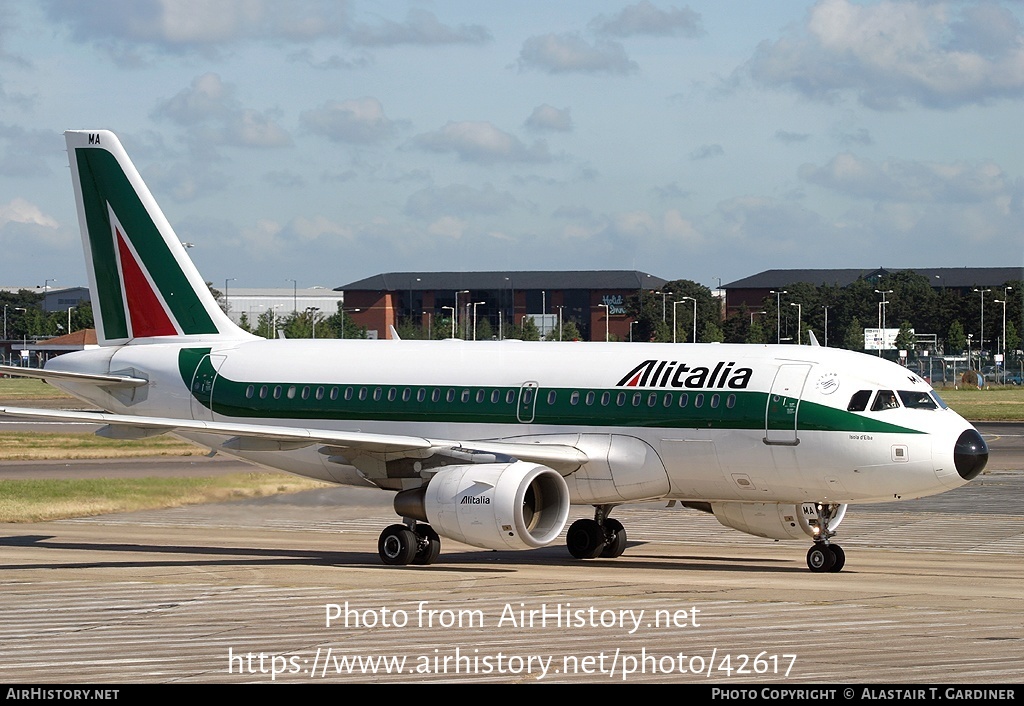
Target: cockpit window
column 885, row 399
column 938, row 400
column 916, row 399
column 859, row 401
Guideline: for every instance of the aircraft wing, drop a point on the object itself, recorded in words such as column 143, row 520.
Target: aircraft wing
column 263, row 437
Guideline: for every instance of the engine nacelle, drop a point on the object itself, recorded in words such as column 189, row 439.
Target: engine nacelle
column 515, row 505
column 776, row 521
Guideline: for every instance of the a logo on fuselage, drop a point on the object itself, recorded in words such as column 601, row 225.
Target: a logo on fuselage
column 671, row 373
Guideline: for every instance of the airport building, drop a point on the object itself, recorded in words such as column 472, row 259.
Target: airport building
column 594, row 300
column 752, row 291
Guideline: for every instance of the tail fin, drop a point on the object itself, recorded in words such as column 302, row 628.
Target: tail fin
column 143, row 284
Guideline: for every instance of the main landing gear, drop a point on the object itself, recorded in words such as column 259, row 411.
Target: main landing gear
column 601, row 537
column 412, row 543
column 823, row 556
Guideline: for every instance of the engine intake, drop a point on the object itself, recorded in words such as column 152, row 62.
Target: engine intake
column 516, row 505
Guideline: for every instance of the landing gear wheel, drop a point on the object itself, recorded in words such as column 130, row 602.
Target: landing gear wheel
column 585, row 539
column 615, row 539
column 820, row 558
column 397, row 545
column 840, row 556
column 428, row 545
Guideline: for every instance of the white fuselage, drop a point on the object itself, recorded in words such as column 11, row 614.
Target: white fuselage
column 692, row 422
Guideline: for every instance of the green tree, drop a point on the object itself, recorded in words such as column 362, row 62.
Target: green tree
column 956, row 339
column 243, row 323
column 530, row 332
column 905, row 339
column 711, row 333
column 854, row 338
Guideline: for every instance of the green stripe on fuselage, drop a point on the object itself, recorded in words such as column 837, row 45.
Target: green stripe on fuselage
column 718, row 409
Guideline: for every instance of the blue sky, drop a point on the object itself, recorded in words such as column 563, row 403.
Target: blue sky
column 329, row 141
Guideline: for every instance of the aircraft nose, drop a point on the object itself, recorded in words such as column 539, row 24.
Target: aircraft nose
column 970, row 454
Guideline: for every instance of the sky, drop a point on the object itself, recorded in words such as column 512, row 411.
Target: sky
column 329, row 141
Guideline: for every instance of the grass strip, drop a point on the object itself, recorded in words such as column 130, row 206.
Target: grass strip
column 43, row 500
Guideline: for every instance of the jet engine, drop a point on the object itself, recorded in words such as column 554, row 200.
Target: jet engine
column 776, row 521
column 515, row 505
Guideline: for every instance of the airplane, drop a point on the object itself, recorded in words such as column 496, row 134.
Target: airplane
column 489, row 442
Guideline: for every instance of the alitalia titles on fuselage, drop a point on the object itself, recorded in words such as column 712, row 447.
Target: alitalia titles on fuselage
column 671, row 373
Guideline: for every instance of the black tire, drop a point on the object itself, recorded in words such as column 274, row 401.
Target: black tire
column 820, row 558
column 585, row 539
column 428, row 545
column 615, row 539
column 397, row 545
column 840, row 556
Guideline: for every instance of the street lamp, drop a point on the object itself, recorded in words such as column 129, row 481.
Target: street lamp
column 799, row 323
column 631, row 331
column 881, row 316
column 71, row 307
column 778, row 313
column 227, row 306
column 560, row 324
column 607, row 315
column 311, row 310
column 981, row 340
column 341, row 310
column 475, row 304
column 997, row 301
column 826, row 325
column 694, row 300
column 452, row 309
column 674, row 327
column 295, row 295
column 455, row 314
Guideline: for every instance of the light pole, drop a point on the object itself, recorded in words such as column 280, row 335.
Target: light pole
column 674, row 327
column 452, row 309
column 694, row 300
column 295, row 295
column 799, row 323
column 778, row 313
column 560, row 324
column 881, row 316
column 981, row 340
column 631, row 331
column 607, row 315
column 311, row 310
column 273, row 319
column 341, row 310
column 455, row 314
column 227, row 306
column 826, row 325
column 997, row 301
column 475, row 304
column 5, row 321
column 69, row 318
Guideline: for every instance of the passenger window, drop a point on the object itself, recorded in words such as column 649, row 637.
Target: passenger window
column 885, row 399
column 730, row 401
column 481, row 395
column 859, row 401
column 606, row 397
column 496, row 397
column 715, row 399
column 552, row 396
column 319, row 393
column 574, row 398
column 421, row 395
column 450, row 397
column 590, row 398
column 465, row 396
column 668, row 399
column 684, row 399
column 392, row 393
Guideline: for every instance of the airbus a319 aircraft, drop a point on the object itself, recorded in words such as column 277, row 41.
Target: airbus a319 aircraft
column 489, row 442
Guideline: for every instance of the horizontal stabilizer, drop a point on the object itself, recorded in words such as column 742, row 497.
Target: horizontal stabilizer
column 98, row 380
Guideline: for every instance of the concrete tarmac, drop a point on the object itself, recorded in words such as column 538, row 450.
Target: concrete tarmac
column 290, row 589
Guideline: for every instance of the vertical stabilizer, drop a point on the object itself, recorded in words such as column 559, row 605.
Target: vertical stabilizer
column 144, row 286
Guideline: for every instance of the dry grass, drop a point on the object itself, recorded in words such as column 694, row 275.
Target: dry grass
column 43, row 500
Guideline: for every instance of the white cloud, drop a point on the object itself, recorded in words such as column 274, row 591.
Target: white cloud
column 565, row 53
column 911, row 181
column 18, row 210
column 481, row 142
column 176, row 25
column 420, row 27
column 359, row 121
column 210, row 104
column 546, row 117
column 458, row 199
column 645, row 18
column 893, row 53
